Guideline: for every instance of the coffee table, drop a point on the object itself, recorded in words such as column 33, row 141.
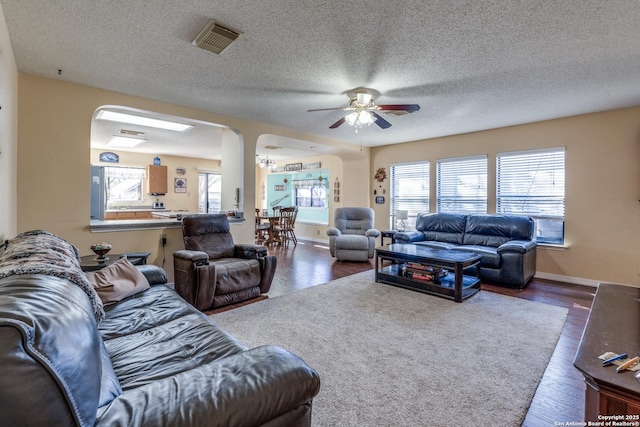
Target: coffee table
column 456, row 286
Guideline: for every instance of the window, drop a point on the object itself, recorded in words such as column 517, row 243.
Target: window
column 124, row 184
column 310, row 193
column 462, row 185
column 532, row 183
column 209, row 192
column 409, row 191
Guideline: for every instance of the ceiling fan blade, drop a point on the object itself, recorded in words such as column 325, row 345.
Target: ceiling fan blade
column 380, row 121
column 338, row 123
column 327, row 109
column 410, row 108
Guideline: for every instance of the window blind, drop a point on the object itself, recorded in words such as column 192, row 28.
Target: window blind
column 531, row 183
column 124, row 172
column 409, row 189
column 462, row 185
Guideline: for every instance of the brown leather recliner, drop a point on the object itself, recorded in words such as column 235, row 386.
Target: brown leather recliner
column 212, row 271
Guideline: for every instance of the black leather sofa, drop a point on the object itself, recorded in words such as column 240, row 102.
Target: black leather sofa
column 150, row 359
column 504, row 242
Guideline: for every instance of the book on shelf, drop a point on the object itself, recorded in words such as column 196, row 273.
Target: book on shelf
column 423, row 267
column 422, row 275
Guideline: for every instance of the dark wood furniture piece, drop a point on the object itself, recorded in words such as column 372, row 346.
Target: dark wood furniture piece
column 456, row 286
column 272, row 235
column 388, row 234
column 613, row 325
column 89, row 263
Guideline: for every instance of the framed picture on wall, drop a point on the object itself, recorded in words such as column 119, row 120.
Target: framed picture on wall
column 293, row 167
column 180, row 185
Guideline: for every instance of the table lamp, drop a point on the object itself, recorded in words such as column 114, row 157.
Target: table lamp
column 401, row 216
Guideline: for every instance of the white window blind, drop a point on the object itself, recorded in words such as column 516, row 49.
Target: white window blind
column 409, row 190
column 531, row 183
column 462, row 185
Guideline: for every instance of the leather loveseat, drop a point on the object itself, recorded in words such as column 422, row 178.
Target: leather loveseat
column 504, row 242
column 149, row 359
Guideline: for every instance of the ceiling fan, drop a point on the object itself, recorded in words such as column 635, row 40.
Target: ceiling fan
column 362, row 107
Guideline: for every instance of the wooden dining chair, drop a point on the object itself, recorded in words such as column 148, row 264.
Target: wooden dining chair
column 262, row 229
column 286, row 225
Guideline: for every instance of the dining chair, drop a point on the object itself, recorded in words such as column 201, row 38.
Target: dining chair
column 286, row 225
column 262, row 229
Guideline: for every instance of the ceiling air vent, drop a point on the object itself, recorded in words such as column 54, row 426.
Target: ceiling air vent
column 216, row 37
column 130, row 132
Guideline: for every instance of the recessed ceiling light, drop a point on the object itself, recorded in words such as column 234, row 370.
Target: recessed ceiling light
column 142, row 121
column 123, row 141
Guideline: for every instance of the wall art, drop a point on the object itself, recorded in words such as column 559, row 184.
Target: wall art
column 180, row 185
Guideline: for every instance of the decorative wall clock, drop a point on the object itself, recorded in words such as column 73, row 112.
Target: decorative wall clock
column 109, row 157
column 380, row 175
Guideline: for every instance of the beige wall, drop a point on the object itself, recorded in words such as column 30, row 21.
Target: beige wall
column 8, row 134
column 54, row 127
column 602, row 218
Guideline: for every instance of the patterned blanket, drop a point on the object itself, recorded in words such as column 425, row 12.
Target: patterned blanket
column 41, row 252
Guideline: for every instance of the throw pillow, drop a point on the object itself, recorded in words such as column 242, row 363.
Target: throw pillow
column 117, row 281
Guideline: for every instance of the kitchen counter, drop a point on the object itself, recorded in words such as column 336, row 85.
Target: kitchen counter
column 98, row 226
column 136, row 209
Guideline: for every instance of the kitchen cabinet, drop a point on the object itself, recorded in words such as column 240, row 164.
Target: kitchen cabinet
column 157, row 177
column 127, row 214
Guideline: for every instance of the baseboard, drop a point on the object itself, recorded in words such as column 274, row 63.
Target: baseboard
column 567, row 279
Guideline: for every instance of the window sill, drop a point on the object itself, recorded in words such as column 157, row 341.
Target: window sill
column 552, row 247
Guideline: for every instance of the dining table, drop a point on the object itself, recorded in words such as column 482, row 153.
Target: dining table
column 273, row 234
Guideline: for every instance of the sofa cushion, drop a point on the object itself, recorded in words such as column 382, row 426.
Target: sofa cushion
column 117, row 281
column 352, row 242
column 435, row 245
column 443, row 227
column 494, row 230
column 109, row 384
column 489, row 256
column 155, row 335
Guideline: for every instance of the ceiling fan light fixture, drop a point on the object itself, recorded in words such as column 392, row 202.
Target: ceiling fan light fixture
column 358, row 119
column 266, row 163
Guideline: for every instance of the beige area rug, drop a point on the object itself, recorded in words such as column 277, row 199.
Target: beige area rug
column 393, row 357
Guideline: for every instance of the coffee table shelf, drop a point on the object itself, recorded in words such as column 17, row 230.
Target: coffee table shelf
column 454, row 285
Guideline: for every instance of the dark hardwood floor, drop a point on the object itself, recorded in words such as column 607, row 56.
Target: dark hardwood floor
column 560, row 395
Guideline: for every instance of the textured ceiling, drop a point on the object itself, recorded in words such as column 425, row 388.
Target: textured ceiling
column 471, row 65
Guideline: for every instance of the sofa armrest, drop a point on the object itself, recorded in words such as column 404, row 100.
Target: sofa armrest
column 196, row 257
column 372, row 232
column 154, row 274
column 518, row 246
column 332, row 231
column 408, row 236
column 249, row 251
column 248, row 388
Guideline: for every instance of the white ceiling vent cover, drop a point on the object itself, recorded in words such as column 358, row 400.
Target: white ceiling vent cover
column 215, row 37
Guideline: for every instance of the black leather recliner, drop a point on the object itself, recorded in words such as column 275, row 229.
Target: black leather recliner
column 212, row 271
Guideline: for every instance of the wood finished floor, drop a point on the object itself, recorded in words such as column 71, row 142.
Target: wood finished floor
column 560, row 395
